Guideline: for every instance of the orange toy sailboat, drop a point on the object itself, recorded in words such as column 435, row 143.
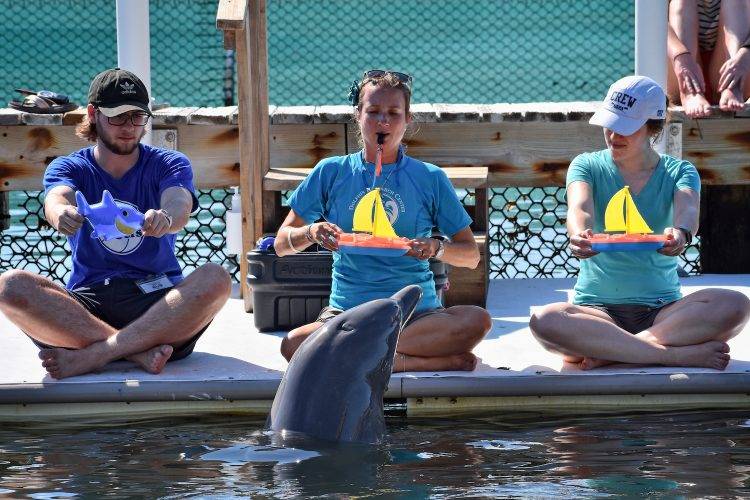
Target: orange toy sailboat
column 373, row 233
column 622, row 215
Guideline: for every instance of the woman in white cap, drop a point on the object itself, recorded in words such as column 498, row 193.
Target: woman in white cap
column 627, row 306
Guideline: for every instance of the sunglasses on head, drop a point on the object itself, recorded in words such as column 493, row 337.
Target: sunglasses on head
column 379, row 73
column 354, row 89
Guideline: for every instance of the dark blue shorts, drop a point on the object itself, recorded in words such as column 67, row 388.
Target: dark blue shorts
column 118, row 302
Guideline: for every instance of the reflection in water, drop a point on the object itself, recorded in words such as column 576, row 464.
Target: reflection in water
column 673, row 454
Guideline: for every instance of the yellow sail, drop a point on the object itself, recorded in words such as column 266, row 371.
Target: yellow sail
column 634, row 223
column 370, row 216
column 622, row 215
column 614, row 216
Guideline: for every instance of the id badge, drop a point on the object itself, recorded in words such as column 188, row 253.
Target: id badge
column 154, row 283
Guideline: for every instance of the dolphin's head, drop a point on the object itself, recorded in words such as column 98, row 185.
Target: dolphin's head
column 334, row 385
column 366, row 336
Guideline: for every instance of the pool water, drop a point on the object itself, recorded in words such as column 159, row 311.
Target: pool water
column 686, row 454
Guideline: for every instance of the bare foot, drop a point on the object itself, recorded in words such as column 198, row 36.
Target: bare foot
column 62, row 363
column 712, row 354
column 731, row 100
column 154, row 359
column 465, row 362
column 591, row 363
column 695, row 105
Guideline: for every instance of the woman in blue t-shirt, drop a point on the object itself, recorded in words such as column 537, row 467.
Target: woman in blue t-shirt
column 627, row 306
column 417, row 196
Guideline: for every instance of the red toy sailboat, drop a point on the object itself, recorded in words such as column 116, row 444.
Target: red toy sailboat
column 373, row 233
column 622, row 215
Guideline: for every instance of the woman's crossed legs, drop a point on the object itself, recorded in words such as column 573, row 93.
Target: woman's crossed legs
column 689, row 332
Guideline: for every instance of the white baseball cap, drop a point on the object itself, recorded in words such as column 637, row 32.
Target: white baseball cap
column 631, row 102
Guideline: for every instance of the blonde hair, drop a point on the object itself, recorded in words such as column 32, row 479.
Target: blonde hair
column 87, row 130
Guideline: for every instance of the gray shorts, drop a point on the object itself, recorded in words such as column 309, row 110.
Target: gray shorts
column 329, row 312
column 633, row 318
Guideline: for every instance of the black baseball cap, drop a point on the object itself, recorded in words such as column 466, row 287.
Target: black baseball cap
column 116, row 91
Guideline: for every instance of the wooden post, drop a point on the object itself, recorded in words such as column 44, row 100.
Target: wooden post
column 252, row 83
column 4, row 211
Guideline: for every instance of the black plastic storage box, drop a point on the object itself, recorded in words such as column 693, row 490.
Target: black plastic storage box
column 290, row 291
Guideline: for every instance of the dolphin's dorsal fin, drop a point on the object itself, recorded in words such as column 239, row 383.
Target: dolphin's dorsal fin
column 108, row 200
column 83, row 205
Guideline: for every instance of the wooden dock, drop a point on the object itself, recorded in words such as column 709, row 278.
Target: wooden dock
column 236, row 369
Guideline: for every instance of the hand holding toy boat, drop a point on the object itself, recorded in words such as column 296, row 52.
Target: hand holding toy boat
column 373, row 233
column 109, row 218
column 622, row 215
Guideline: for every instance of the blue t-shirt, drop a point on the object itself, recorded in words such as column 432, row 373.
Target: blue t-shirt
column 417, row 196
column 631, row 277
column 135, row 256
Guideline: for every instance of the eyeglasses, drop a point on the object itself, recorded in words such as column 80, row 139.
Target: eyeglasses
column 379, row 73
column 137, row 119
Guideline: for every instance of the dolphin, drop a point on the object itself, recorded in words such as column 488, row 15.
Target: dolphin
column 333, row 388
column 109, row 218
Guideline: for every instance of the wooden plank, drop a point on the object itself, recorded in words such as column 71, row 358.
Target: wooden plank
column 74, row 117
column 173, row 116
column 26, row 151
column 305, row 145
column 333, row 114
column 719, row 149
column 225, row 115
column 469, row 286
column 284, row 178
column 293, row 115
column 9, row 116
column 231, row 14
column 514, row 153
column 213, row 151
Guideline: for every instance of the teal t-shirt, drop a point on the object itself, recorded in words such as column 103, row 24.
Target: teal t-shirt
column 417, row 196
column 631, row 277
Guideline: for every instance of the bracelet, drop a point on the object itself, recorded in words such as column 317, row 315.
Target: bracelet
column 289, row 240
column 680, row 54
column 308, row 234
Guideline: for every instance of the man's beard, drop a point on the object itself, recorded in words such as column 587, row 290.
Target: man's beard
column 118, row 150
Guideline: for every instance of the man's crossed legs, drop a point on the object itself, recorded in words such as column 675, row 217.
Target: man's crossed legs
column 84, row 341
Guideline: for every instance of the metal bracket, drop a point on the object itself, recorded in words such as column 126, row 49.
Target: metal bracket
column 674, row 139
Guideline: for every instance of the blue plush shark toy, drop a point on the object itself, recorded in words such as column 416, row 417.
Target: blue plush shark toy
column 110, row 219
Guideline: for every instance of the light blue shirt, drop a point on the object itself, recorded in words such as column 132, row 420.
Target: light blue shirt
column 417, row 196
column 645, row 277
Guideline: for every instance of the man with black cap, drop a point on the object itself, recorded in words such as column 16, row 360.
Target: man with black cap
column 126, row 297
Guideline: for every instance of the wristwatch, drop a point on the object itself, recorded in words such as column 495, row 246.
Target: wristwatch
column 440, row 250
column 688, row 235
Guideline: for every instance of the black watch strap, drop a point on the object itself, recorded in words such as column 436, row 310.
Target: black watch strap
column 688, row 235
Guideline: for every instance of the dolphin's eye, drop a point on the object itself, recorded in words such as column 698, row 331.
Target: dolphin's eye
column 124, row 213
